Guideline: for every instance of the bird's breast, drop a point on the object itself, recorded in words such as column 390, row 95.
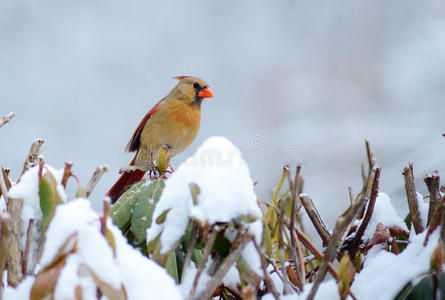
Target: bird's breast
column 175, row 125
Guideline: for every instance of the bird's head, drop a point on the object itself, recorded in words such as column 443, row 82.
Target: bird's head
column 193, row 89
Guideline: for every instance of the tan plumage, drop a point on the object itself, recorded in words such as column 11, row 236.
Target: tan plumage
column 173, row 122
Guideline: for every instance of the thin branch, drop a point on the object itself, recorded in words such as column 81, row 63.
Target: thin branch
column 433, row 184
column 319, row 255
column 435, row 220
column 6, row 119
column 370, row 209
column 342, row 223
column 202, row 263
column 299, row 269
column 103, row 218
column 33, row 155
column 97, row 175
column 5, row 221
column 286, row 289
column 188, row 256
column 27, row 247
column 267, row 280
column 316, row 219
column 14, row 260
column 225, row 266
column 412, row 198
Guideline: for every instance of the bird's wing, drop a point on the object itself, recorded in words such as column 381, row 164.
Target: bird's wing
column 135, row 141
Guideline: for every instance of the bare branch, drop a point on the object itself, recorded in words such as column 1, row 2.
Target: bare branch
column 27, row 247
column 202, row 263
column 412, row 198
column 342, row 223
column 188, row 256
column 319, row 255
column 370, row 209
column 225, row 266
column 299, row 269
column 316, row 219
column 33, row 155
column 6, row 119
column 5, row 221
column 97, row 175
column 433, row 184
column 267, row 280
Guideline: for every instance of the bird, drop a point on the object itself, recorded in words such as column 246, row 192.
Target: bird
column 173, row 123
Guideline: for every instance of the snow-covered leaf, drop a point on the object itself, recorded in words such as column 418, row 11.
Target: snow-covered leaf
column 122, row 210
column 144, row 207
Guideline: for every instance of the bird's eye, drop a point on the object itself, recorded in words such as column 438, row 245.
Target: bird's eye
column 196, row 85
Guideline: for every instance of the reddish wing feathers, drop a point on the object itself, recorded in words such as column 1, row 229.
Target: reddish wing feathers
column 135, row 141
column 124, row 182
column 128, row 178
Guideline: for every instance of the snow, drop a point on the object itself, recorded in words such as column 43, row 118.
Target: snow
column 139, row 275
column 23, row 291
column 388, row 273
column 189, row 277
column 423, row 208
column 226, row 192
column 385, row 213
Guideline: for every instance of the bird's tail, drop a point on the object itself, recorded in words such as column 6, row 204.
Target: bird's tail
column 124, row 182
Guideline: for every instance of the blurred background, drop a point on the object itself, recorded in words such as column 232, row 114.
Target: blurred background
column 294, row 81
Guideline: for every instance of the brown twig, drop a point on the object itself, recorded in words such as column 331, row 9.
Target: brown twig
column 33, row 155
column 6, row 119
column 14, row 260
column 315, row 218
column 433, row 184
column 306, row 241
column 97, row 175
column 225, row 266
column 267, row 280
column 370, row 209
column 286, row 289
column 342, row 223
column 66, row 173
column 5, row 221
column 412, row 198
column 435, row 220
column 104, row 217
column 299, row 268
column 27, row 247
column 188, row 256
column 202, row 263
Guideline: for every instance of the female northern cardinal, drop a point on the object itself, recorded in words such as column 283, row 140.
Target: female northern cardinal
column 172, row 123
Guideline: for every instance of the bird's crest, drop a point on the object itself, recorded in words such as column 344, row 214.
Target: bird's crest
column 180, row 77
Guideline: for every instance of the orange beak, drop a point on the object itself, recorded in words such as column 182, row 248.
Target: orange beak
column 205, row 93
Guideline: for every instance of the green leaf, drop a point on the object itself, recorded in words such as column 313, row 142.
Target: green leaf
column 408, row 221
column 346, row 272
column 144, row 207
column 171, row 266
column 122, row 210
column 194, row 189
column 222, row 245
column 267, row 240
column 196, row 256
column 161, row 218
column 49, row 197
column 423, row 289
